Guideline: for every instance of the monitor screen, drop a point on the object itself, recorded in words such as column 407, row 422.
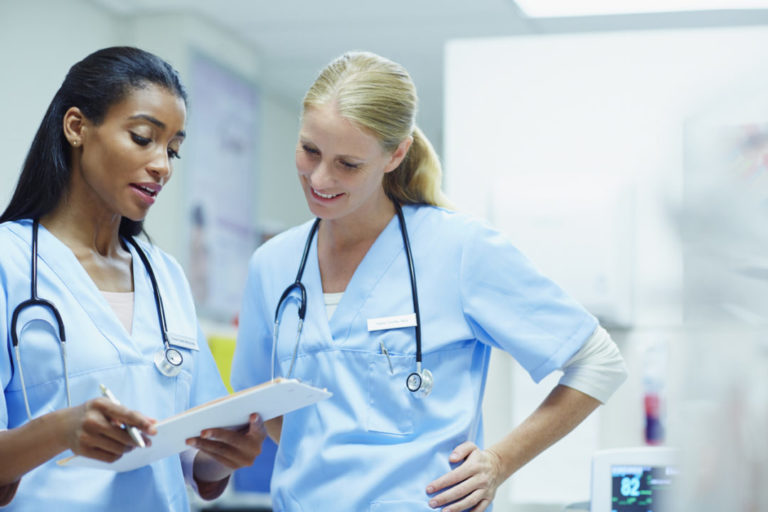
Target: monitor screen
column 639, row 488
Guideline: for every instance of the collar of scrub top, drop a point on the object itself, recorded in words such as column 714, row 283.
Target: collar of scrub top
column 420, row 380
column 168, row 361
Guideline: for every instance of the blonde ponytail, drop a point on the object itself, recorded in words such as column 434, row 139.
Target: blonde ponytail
column 418, row 179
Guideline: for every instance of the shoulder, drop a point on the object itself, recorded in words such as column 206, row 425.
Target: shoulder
column 16, row 242
column 447, row 225
column 289, row 237
column 16, row 232
column 163, row 264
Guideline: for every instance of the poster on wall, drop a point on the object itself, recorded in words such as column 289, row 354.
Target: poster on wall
column 220, row 167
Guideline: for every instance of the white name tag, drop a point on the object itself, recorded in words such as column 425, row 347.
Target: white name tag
column 392, row 322
column 179, row 340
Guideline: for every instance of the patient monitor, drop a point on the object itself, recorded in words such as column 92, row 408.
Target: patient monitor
column 634, row 479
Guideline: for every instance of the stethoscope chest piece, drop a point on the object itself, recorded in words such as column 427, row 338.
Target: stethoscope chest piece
column 420, row 383
column 169, row 361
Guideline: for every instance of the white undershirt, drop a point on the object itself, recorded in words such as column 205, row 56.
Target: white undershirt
column 122, row 304
column 331, row 302
column 597, row 369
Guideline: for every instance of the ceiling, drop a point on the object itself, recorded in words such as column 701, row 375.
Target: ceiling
column 296, row 38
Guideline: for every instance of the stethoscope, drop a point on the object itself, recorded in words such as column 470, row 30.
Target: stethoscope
column 419, row 382
column 168, row 361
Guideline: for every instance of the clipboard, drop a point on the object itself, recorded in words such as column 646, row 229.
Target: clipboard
column 270, row 399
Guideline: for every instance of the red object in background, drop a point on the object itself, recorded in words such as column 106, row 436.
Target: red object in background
column 654, row 430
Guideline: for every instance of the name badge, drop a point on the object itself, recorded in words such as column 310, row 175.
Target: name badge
column 392, row 322
column 179, row 340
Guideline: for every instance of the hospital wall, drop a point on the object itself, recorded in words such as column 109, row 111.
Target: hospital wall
column 41, row 39
column 580, row 148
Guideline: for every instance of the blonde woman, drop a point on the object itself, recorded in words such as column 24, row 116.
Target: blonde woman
column 393, row 302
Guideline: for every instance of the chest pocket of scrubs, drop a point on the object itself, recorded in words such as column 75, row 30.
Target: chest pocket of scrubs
column 390, row 408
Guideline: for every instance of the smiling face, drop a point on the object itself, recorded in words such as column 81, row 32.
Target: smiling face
column 120, row 165
column 340, row 166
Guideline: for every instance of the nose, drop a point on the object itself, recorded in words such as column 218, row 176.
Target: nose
column 160, row 166
column 320, row 176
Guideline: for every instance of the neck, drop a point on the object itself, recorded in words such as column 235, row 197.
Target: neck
column 362, row 229
column 80, row 229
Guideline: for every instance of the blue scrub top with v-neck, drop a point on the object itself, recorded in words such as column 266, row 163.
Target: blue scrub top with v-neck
column 373, row 445
column 99, row 351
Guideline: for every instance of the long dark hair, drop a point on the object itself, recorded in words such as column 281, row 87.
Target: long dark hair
column 93, row 85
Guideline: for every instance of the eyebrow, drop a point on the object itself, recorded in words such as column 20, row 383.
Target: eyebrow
column 357, row 159
column 157, row 122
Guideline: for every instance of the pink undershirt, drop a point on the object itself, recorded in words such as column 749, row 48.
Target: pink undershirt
column 122, row 304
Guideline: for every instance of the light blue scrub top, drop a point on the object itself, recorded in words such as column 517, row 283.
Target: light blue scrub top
column 99, row 350
column 373, row 445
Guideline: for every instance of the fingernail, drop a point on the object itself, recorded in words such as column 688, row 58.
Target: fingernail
column 430, row 489
column 191, row 442
column 206, row 435
column 433, row 503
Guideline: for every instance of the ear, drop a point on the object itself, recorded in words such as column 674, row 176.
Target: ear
column 74, row 126
column 399, row 154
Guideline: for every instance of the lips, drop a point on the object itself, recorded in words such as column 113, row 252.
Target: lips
column 146, row 192
column 150, row 189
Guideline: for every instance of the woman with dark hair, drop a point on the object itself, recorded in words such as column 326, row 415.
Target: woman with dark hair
column 85, row 304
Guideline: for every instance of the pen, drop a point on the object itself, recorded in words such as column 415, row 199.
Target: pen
column 132, row 431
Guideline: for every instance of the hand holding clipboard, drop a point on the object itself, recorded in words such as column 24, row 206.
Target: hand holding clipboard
column 270, row 400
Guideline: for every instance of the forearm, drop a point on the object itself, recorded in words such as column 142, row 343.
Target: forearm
column 559, row 413
column 30, row 445
column 210, row 476
column 221, row 451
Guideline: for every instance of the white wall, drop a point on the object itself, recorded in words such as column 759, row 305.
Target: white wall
column 577, row 112
column 282, row 201
column 39, row 41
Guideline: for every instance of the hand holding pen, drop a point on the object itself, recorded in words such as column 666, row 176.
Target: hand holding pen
column 96, row 429
column 132, row 431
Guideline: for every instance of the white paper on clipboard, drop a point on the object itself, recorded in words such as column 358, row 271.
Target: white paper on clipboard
column 270, row 399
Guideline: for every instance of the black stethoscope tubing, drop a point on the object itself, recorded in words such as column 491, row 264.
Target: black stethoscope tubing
column 172, row 357
column 416, row 380
column 412, row 274
column 170, row 364
column 32, row 301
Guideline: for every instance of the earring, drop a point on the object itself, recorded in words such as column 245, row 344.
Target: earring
column 75, row 142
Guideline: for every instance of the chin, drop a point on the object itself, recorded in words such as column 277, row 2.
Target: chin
column 135, row 217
